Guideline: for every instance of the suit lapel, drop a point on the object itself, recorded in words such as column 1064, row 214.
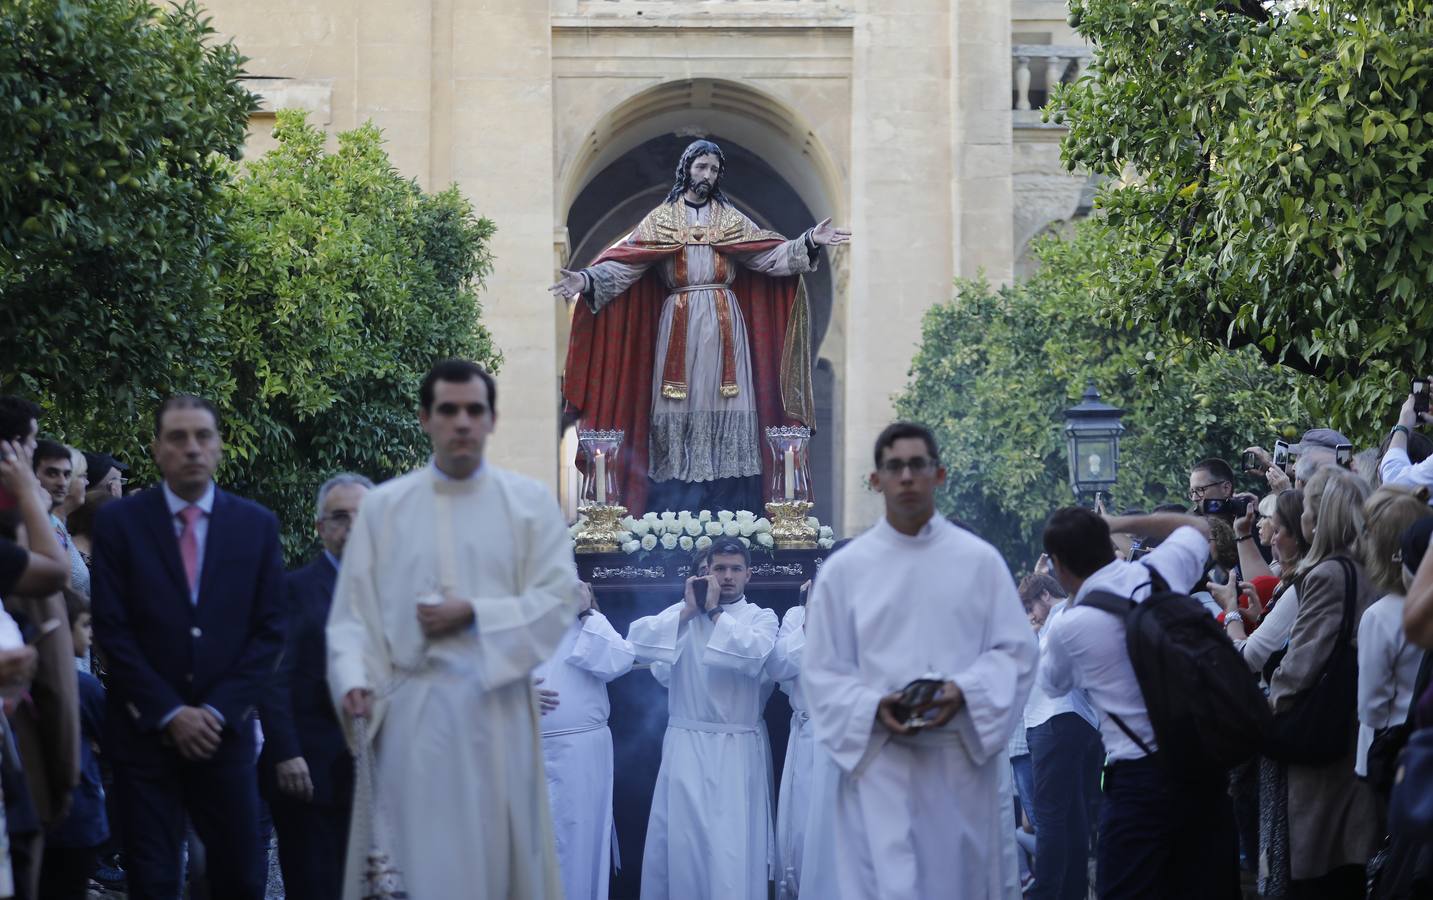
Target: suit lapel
column 162, row 524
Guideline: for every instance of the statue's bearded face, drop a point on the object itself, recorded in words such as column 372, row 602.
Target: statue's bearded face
column 703, row 175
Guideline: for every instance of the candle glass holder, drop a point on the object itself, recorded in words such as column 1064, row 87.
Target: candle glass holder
column 601, row 506
column 790, row 479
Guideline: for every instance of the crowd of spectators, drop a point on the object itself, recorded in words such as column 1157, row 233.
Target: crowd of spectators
column 1311, row 559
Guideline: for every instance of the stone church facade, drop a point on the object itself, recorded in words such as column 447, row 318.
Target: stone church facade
column 915, row 122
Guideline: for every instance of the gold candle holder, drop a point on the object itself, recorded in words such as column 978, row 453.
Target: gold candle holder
column 789, row 529
column 602, row 532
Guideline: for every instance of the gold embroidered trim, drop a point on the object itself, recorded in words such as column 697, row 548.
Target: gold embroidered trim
column 674, row 390
column 667, row 226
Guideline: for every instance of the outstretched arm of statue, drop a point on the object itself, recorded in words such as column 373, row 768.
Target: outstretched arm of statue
column 571, row 286
column 824, row 234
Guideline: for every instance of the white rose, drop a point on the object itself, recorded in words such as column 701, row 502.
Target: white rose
column 685, row 542
column 649, row 542
column 747, row 528
column 764, row 539
column 726, row 515
column 627, row 522
column 714, row 529
column 703, row 542
column 745, row 515
column 825, row 543
column 704, row 516
column 826, row 532
column 693, row 527
column 683, row 516
column 631, row 546
column 669, row 516
column 649, row 517
column 669, row 542
column 641, row 528
column 813, row 522
column 745, row 543
column 731, row 529
column 763, row 525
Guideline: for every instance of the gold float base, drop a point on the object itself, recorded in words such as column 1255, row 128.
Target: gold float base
column 788, row 524
column 601, row 533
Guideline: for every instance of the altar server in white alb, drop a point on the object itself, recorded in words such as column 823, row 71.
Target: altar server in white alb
column 457, row 582
column 709, row 834
column 577, row 747
column 794, row 800
column 917, row 809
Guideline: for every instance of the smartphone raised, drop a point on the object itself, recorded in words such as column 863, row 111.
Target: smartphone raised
column 1343, row 456
column 1420, row 395
column 699, row 590
column 1251, row 463
column 1281, row 454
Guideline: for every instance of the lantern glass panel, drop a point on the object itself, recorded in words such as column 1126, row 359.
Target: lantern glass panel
column 602, row 451
column 789, row 467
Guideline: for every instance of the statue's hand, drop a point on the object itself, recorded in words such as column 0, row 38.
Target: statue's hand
column 570, row 286
column 828, row 235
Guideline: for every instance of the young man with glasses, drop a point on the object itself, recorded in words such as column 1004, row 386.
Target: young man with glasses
column 305, row 769
column 915, row 599
column 1211, row 479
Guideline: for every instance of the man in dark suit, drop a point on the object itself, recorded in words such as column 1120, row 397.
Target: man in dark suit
column 306, row 770
column 188, row 583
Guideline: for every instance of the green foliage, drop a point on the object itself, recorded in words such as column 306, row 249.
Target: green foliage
column 1282, row 172
column 343, row 283
column 997, row 368
column 306, row 294
column 115, row 119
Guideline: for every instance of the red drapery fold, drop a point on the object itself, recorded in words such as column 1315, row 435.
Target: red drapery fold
column 607, row 380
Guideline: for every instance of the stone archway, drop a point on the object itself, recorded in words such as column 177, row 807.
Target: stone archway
column 777, row 173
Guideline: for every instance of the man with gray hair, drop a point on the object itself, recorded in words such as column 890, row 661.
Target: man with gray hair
column 305, row 770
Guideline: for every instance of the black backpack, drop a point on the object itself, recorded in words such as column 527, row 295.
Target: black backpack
column 1204, row 702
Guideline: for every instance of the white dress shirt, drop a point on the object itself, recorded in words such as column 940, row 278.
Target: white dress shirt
column 1042, row 707
column 1085, row 648
column 1387, row 668
column 205, row 503
column 1397, row 468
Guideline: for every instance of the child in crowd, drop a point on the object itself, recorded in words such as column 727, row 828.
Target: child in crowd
column 72, row 846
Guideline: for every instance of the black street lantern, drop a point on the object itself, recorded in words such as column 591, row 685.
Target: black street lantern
column 1092, row 434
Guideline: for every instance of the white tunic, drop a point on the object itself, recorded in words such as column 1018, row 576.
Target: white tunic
column 794, row 800
column 709, row 834
column 455, row 724
column 916, row 817
column 577, row 750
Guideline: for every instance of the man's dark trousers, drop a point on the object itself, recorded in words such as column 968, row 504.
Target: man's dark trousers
column 1066, row 753
column 1166, row 837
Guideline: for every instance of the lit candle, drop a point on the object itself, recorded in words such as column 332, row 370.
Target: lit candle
column 790, row 474
column 601, row 478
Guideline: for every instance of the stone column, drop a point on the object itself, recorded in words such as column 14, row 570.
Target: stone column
column 902, row 257
column 501, row 156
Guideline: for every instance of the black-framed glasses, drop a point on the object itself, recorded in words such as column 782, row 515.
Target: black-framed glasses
column 918, row 465
column 1198, row 491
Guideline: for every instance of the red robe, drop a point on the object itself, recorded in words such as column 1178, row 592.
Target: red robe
column 607, row 381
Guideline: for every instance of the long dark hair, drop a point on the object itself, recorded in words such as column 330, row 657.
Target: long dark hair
column 684, row 170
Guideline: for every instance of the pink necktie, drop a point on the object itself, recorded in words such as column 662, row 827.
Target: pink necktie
column 189, row 545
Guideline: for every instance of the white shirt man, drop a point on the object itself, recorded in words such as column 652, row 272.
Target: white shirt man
column 456, row 583
column 577, row 748
column 917, row 808
column 709, row 835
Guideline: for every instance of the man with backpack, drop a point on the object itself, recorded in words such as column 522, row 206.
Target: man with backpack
column 1166, row 824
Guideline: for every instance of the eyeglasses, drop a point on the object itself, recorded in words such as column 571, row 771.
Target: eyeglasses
column 1198, row 492
column 918, row 465
column 341, row 517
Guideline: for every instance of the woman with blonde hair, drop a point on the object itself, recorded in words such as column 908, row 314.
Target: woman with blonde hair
column 1387, row 664
column 1318, row 822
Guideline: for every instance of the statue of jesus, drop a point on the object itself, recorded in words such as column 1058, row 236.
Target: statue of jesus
column 692, row 336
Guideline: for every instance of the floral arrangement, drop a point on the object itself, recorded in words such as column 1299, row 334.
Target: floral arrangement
column 696, row 531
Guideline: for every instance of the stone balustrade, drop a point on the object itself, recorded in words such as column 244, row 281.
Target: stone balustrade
column 1037, row 67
